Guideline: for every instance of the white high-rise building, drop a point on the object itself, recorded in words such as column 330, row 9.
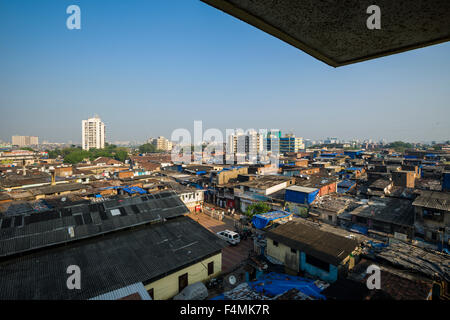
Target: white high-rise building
column 245, row 144
column 93, row 133
column 23, row 141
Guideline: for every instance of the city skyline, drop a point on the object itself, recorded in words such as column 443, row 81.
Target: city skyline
column 153, row 70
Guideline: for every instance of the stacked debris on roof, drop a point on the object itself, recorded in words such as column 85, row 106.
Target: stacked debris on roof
column 409, row 257
column 395, row 283
column 243, row 292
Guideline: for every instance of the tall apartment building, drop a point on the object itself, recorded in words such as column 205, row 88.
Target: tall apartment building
column 161, row 143
column 23, row 141
column 291, row 143
column 273, row 140
column 93, row 133
column 249, row 145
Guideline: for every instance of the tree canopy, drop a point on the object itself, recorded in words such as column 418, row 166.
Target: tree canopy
column 257, row 208
column 75, row 155
column 400, row 146
column 148, row 148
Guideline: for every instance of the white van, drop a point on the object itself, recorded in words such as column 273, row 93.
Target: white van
column 229, row 236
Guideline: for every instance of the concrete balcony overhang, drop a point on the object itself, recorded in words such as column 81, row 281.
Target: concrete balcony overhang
column 336, row 32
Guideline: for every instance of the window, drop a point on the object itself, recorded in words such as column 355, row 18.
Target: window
column 293, row 251
column 210, row 268
column 275, row 243
column 330, row 218
column 361, row 220
column 182, row 282
column 317, row 263
column 151, row 293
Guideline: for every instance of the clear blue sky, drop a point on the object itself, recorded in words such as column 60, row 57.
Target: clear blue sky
column 149, row 67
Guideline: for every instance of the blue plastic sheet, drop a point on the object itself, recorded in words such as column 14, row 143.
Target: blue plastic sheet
column 277, row 283
column 359, row 229
column 260, row 221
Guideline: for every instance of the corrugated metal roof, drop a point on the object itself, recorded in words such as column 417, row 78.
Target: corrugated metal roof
column 322, row 245
column 301, row 189
column 124, row 292
column 434, row 200
column 108, row 263
column 51, row 227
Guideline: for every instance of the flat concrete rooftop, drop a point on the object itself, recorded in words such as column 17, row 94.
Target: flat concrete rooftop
column 335, row 32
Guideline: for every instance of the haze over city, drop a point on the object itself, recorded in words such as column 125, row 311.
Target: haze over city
column 243, row 152
column 150, row 68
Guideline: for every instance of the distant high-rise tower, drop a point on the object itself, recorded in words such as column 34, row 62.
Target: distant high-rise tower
column 93, row 133
column 161, row 143
column 23, row 141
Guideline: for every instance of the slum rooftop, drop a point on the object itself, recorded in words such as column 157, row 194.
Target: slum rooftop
column 29, row 231
column 322, row 245
column 434, row 200
column 265, row 182
column 108, row 263
column 390, row 210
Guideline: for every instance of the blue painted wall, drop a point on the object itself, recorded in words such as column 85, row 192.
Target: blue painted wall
column 330, row 276
column 300, row 197
column 446, row 182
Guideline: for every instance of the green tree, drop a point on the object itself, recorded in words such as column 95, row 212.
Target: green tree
column 53, row 154
column 257, row 208
column 400, row 146
column 121, row 155
column 76, row 156
column 147, row 148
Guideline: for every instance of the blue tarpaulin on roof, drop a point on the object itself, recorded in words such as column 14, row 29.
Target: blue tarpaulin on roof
column 378, row 245
column 260, row 221
column 276, row 283
column 133, row 190
column 359, row 229
column 273, row 284
column 345, row 186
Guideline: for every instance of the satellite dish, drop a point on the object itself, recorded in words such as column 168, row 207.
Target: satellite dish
column 63, row 199
column 232, row 280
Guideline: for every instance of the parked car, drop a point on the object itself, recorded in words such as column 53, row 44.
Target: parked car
column 229, row 236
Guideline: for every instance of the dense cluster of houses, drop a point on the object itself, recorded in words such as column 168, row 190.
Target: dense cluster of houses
column 340, row 210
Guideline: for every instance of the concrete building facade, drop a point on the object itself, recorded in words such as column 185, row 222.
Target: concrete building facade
column 93, row 133
column 23, row 141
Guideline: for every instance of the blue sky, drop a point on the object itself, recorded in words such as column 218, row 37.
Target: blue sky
column 149, row 67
